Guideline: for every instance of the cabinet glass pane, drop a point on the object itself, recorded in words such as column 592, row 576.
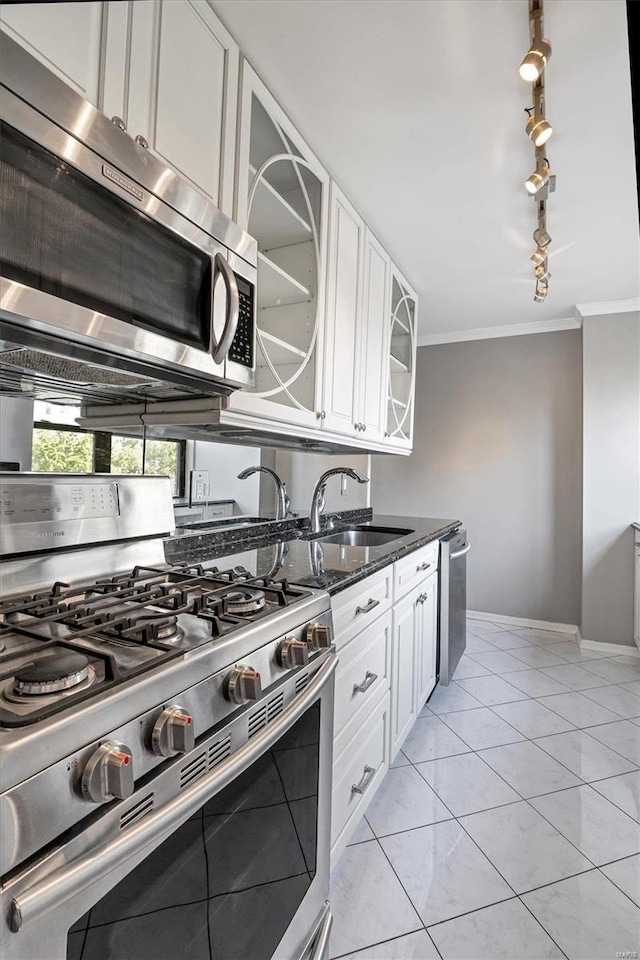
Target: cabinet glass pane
column 401, row 352
column 284, row 215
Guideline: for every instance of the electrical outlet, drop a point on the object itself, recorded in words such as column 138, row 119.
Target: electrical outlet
column 199, row 486
column 344, row 490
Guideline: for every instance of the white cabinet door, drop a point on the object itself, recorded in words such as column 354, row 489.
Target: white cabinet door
column 341, row 403
column 282, row 200
column 372, row 346
column 171, row 73
column 402, row 335
column 66, row 37
column 403, row 683
column 426, row 636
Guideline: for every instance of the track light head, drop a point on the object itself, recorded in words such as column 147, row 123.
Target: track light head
column 539, row 256
column 537, row 180
column 541, row 237
column 538, row 129
column 535, row 61
column 542, row 271
column 542, row 288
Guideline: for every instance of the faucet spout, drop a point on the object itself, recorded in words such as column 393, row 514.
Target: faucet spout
column 317, row 499
column 283, row 500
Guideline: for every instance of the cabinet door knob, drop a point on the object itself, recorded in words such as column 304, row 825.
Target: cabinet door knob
column 119, row 123
column 140, row 140
column 363, row 426
column 321, row 414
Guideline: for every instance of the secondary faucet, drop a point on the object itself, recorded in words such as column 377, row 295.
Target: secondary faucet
column 317, row 500
column 283, row 502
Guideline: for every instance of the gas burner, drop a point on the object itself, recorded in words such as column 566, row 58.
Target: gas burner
column 51, row 674
column 244, row 600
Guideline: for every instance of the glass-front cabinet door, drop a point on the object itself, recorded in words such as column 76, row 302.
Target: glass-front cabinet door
column 282, row 201
column 402, row 360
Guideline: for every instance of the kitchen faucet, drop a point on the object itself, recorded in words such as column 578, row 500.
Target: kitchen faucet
column 283, row 502
column 317, row 500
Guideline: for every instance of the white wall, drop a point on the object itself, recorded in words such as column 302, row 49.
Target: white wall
column 498, row 446
column 16, row 430
column 611, row 474
column 224, row 461
column 301, row 470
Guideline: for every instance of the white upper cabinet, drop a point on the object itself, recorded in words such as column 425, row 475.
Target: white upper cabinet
column 372, row 341
column 171, row 74
column 341, row 404
column 401, row 341
column 66, row 37
column 282, row 201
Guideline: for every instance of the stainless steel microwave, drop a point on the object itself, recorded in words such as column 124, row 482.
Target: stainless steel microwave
column 115, row 271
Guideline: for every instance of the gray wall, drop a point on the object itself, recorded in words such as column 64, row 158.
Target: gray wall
column 300, row 470
column 611, row 494
column 498, row 445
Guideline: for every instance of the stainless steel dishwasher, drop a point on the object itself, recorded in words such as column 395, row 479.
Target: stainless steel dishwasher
column 452, row 619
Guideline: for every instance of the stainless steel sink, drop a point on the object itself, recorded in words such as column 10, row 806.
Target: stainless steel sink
column 366, row 536
column 220, row 522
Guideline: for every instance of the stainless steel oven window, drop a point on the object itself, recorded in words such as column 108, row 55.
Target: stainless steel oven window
column 228, row 882
column 67, row 236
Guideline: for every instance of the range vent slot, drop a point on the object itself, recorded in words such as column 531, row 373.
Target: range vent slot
column 275, row 706
column 257, row 720
column 140, row 810
column 193, row 770
column 301, row 682
column 219, row 752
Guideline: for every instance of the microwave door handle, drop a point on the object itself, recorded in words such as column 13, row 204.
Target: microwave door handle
column 220, row 349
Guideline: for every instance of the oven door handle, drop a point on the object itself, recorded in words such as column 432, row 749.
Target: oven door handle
column 220, row 348
column 62, row 885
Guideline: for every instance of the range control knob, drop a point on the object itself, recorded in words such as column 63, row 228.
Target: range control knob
column 108, row 774
column 292, row 653
column 242, row 684
column 172, row 732
column 318, row 636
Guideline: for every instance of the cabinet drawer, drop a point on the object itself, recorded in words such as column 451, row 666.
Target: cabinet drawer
column 356, row 607
column 357, row 775
column 413, row 568
column 363, row 672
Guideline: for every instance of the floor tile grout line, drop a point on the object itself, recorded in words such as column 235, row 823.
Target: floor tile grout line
column 595, row 740
column 379, row 943
column 624, row 892
column 527, row 907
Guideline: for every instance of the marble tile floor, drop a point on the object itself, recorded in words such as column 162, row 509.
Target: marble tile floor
column 509, row 824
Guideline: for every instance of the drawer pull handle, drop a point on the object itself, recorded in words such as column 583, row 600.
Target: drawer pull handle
column 370, row 605
column 422, row 566
column 367, row 777
column 369, row 678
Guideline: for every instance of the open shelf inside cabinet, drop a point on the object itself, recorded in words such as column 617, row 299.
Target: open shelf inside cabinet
column 397, row 366
column 273, row 220
column 280, row 351
column 276, row 287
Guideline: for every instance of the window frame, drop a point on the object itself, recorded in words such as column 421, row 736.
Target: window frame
column 101, row 452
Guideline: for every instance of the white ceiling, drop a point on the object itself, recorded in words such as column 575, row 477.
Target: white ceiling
column 416, row 108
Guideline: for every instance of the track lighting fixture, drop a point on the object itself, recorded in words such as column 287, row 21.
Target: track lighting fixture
column 537, row 180
column 541, row 272
column 541, row 182
column 535, row 61
column 539, row 256
column 542, row 288
column 538, row 128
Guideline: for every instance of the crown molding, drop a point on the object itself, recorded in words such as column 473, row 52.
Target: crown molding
column 508, row 330
column 608, row 306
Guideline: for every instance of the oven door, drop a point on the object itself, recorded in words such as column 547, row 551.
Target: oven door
column 92, row 260
column 235, row 867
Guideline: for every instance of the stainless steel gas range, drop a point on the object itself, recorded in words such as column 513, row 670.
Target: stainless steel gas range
column 165, row 738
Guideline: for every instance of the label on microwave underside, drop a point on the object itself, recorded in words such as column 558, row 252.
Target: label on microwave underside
column 116, row 177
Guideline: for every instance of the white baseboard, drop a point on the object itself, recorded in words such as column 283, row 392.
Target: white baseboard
column 614, row 649
column 524, row 622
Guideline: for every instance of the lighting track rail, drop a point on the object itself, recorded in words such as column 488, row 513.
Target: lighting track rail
column 541, row 182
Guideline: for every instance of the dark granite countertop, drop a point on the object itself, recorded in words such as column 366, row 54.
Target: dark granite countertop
column 280, row 549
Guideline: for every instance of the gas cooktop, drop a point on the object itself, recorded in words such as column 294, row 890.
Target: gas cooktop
column 64, row 644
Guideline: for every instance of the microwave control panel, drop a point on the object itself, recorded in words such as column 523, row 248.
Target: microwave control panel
column 243, row 344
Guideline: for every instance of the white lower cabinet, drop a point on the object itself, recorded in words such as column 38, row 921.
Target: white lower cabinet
column 386, row 638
